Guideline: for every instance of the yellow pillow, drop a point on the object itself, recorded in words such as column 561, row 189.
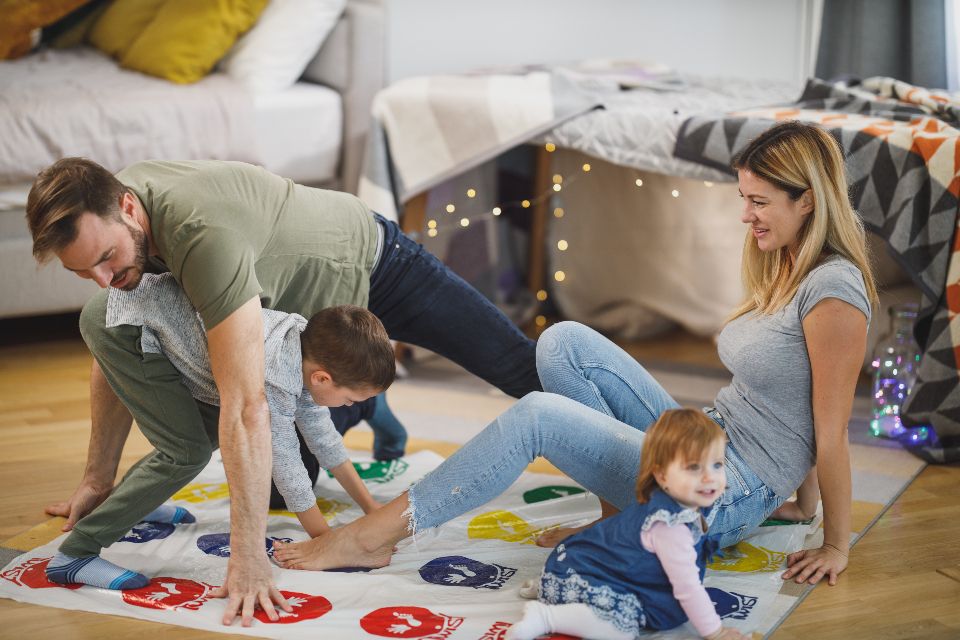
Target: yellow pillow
column 121, row 24
column 21, row 17
column 187, row 37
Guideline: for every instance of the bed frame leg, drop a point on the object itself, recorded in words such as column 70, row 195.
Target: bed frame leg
column 537, row 255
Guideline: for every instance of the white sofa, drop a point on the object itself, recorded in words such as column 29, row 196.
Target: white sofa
column 350, row 65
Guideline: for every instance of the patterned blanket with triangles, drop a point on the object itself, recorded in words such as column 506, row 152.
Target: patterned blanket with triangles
column 902, row 146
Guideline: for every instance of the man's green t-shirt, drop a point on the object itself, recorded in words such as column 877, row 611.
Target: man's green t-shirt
column 229, row 231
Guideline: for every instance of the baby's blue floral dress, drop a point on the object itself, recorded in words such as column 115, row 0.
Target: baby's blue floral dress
column 607, row 568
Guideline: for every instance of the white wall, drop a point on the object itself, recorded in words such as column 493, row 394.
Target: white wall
column 766, row 39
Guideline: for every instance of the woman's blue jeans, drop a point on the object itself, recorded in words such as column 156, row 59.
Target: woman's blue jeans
column 589, row 422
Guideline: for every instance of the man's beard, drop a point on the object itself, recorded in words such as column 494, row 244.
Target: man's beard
column 142, row 248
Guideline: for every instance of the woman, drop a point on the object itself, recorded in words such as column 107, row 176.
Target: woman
column 794, row 347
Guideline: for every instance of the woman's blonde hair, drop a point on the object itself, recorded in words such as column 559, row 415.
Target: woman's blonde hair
column 684, row 433
column 794, row 157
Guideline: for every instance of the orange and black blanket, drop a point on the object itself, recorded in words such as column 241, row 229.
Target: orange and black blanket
column 902, row 146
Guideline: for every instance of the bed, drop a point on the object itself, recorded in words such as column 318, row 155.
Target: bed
column 78, row 101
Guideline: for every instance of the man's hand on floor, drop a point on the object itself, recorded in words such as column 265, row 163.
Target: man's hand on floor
column 248, row 586
column 85, row 499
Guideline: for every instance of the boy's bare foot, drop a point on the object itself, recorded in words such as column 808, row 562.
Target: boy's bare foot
column 553, row 537
column 338, row 548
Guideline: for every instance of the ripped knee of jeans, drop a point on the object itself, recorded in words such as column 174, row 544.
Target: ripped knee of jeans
column 410, row 515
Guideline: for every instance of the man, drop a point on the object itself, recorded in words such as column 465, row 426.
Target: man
column 236, row 237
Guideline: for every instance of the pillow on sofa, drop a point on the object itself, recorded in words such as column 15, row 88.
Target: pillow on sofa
column 278, row 48
column 179, row 40
column 188, row 37
column 121, row 23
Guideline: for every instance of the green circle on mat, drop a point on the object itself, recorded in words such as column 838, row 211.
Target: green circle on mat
column 550, row 493
column 379, row 472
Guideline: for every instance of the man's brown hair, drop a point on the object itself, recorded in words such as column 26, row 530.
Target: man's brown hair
column 684, row 433
column 350, row 344
column 63, row 192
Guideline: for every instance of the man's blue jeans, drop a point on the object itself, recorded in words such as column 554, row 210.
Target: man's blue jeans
column 422, row 302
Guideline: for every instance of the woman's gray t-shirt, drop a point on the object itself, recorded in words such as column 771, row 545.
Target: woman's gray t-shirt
column 767, row 407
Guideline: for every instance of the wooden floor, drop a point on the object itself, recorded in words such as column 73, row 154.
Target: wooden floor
column 904, row 580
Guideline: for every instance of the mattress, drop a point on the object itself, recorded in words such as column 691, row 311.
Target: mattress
column 298, row 132
column 58, row 103
column 638, row 128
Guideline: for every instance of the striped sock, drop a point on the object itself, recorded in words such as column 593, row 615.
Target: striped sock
column 170, row 514
column 94, row 571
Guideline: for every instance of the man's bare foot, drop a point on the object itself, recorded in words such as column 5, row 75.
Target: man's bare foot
column 338, row 548
column 553, row 537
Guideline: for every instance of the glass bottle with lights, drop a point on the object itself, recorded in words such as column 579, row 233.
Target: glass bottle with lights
column 895, row 363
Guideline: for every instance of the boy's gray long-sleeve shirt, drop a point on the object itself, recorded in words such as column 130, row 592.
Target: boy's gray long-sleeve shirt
column 171, row 326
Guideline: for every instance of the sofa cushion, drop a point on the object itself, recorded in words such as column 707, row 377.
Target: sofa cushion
column 179, row 40
column 121, row 23
column 273, row 55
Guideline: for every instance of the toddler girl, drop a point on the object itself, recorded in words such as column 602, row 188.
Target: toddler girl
column 643, row 568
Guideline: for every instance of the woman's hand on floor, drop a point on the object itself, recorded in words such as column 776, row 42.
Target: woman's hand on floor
column 810, row 565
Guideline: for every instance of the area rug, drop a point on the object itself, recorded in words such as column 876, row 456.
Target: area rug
column 462, row 580
column 459, row 581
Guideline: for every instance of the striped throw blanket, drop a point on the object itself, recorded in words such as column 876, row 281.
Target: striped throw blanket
column 428, row 129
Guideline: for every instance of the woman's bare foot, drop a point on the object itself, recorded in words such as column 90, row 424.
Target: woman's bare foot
column 367, row 542
column 335, row 549
column 552, row 537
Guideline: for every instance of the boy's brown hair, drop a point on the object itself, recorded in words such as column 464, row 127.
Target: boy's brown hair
column 350, row 344
column 684, row 433
column 63, row 192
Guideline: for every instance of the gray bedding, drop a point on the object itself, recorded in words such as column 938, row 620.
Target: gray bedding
column 638, row 128
column 60, row 103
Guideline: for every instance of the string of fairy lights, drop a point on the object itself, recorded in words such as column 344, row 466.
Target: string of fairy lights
column 558, row 184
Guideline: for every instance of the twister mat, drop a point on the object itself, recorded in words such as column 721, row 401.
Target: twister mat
column 458, row 582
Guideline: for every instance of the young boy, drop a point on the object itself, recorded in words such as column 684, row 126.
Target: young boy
column 341, row 356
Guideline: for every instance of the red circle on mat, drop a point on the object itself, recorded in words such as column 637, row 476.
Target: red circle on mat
column 305, row 607
column 33, row 574
column 402, row 622
column 169, row 593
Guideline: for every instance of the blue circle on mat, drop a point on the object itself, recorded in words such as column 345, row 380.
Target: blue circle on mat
column 147, row 531
column 218, row 544
column 215, row 544
column 460, row 571
column 731, row 605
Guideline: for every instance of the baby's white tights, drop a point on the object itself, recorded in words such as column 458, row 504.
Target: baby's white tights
column 575, row 619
